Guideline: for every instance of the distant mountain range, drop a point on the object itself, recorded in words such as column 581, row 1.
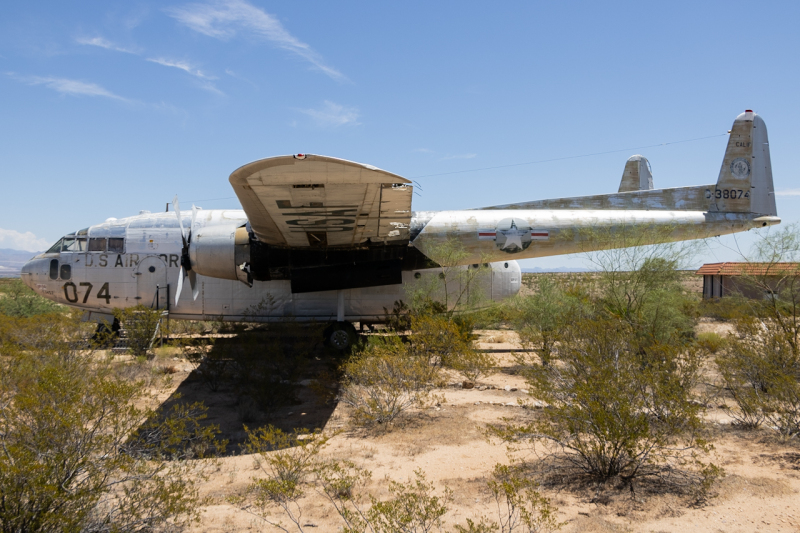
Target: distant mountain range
column 11, row 261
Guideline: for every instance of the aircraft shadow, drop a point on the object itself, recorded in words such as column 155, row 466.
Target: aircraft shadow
column 261, row 378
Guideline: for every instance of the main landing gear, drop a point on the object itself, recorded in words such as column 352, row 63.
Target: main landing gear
column 340, row 335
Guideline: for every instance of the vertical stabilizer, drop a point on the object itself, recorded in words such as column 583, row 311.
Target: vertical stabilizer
column 637, row 175
column 745, row 179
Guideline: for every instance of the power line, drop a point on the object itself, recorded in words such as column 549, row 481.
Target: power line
column 527, row 163
column 569, row 157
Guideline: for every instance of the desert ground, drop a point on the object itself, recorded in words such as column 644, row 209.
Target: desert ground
column 449, row 444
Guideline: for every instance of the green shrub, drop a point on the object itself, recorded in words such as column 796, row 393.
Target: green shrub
column 761, row 371
column 78, row 454
column 18, row 300
column 141, row 324
column 613, row 411
column 385, row 380
column 711, row 341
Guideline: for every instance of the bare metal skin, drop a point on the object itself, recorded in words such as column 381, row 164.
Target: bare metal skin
column 327, row 239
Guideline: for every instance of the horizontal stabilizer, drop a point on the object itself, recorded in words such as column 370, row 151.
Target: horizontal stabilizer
column 744, row 184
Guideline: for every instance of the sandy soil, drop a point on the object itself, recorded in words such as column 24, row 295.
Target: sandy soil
column 759, row 493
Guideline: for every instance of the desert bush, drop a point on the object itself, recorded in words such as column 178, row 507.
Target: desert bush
column 18, row 300
column 539, row 319
column 78, row 455
column 286, row 460
column 413, row 507
column 761, row 368
column 711, row 341
column 612, row 412
column 60, row 334
column 448, row 341
column 641, row 285
column 141, row 324
column 761, row 371
column 520, row 506
column 384, row 380
column 293, row 465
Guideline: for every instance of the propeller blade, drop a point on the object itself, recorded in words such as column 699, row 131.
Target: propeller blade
column 181, row 275
column 193, row 284
column 180, row 221
column 194, row 217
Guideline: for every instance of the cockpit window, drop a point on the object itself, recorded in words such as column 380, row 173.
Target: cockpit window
column 72, row 244
column 116, row 245
column 55, row 248
column 97, row 245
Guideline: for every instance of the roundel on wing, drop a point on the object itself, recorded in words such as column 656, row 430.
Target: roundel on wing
column 513, row 235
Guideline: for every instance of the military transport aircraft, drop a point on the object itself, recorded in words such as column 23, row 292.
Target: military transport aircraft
column 326, row 239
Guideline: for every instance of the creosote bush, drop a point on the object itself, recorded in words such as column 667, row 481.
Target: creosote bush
column 77, row 454
column 541, row 318
column 617, row 370
column 141, row 324
column 18, row 300
column 384, row 380
column 760, row 366
column 615, row 410
column 293, row 465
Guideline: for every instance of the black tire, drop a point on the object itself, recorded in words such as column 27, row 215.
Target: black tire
column 340, row 336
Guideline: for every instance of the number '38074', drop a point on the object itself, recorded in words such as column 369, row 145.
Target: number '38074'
column 733, row 194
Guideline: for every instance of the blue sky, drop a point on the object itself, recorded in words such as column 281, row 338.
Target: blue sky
column 111, row 107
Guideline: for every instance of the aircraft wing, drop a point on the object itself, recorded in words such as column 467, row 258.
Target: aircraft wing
column 304, row 200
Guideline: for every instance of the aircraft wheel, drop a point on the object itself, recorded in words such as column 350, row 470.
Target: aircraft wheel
column 340, row 335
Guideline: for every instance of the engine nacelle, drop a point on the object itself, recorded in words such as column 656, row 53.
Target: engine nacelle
column 220, row 252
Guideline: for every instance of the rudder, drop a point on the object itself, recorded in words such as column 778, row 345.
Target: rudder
column 745, row 179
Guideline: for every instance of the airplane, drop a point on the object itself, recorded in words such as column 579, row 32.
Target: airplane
column 330, row 240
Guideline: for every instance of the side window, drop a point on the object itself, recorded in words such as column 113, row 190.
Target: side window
column 54, row 269
column 66, row 272
column 97, row 245
column 116, row 245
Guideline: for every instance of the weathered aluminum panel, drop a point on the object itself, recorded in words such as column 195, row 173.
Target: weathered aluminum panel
column 322, row 201
column 568, row 231
column 637, row 175
column 674, row 199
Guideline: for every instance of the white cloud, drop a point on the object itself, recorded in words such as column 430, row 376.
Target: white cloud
column 223, row 19
column 460, row 156
column 103, row 43
column 22, row 241
column 788, row 192
column 423, row 150
column 182, row 65
column 332, row 114
column 67, row 86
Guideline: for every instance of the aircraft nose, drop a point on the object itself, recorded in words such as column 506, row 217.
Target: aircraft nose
column 27, row 271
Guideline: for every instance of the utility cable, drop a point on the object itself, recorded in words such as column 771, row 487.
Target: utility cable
column 569, row 157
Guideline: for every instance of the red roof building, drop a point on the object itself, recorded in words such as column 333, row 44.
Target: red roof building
column 752, row 280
